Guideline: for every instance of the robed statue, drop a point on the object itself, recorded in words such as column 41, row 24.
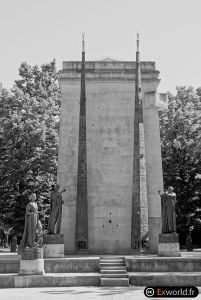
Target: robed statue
column 168, row 213
column 32, row 226
column 54, row 223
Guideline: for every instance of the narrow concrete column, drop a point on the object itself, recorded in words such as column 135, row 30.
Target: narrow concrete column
column 154, row 168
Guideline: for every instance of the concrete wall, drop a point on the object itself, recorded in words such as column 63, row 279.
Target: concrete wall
column 110, row 94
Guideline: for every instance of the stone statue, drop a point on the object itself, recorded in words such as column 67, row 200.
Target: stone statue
column 32, row 226
column 55, row 210
column 168, row 214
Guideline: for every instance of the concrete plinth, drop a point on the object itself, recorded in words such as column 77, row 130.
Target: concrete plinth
column 32, row 267
column 31, row 262
column 169, row 245
column 53, row 246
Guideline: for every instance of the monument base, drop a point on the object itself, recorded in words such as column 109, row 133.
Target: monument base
column 31, row 261
column 169, row 245
column 53, row 246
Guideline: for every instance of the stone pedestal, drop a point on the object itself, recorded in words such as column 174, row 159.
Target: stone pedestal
column 169, row 245
column 31, row 262
column 53, row 245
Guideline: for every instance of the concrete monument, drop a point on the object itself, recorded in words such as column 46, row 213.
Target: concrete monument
column 102, row 210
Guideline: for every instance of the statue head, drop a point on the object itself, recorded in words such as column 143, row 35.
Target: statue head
column 32, row 197
column 170, row 189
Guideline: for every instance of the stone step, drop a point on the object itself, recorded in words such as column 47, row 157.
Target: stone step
column 93, row 279
column 114, row 281
column 49, row 280
column 112, row 261
column 112, row 275
column 113, row 267
column 113, row 272
column 112, row 257
column 165, row 278
column 111, row 264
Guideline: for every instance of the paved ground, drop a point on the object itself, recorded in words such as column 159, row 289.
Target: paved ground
column 78, row 293
column 72, row 293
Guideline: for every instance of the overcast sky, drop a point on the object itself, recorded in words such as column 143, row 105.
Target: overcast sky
column 37, row 31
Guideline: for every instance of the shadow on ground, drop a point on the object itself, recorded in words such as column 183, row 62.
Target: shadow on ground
column 101, row 291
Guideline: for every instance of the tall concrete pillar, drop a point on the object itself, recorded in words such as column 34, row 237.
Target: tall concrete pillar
column 139, row 226
column 153, row 167
column 81, row 232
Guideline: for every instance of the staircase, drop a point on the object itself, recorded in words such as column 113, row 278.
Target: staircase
column 113, row 271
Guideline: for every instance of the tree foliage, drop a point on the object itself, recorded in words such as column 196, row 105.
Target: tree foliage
column 29, row 115
column 181, row 139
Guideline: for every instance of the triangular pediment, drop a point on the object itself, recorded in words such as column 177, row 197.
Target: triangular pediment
column 108, row 59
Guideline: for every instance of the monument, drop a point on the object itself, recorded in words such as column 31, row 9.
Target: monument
column 110, row 156
column 110, row 166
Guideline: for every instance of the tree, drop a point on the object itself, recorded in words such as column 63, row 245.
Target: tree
column 28, row 142
column 181, row 157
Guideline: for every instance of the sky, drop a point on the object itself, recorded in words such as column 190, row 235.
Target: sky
column 37, row 31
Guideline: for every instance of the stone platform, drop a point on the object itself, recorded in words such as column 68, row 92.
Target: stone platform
column 55, row 265
column 49, row 280
column 165, row 279
column 142, row 270
column 150, row 270
column 148, row 263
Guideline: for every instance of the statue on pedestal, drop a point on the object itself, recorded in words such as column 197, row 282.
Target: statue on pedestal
column 168, row 240
column 32, row 227
column 54, row 223
column 168, row 214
